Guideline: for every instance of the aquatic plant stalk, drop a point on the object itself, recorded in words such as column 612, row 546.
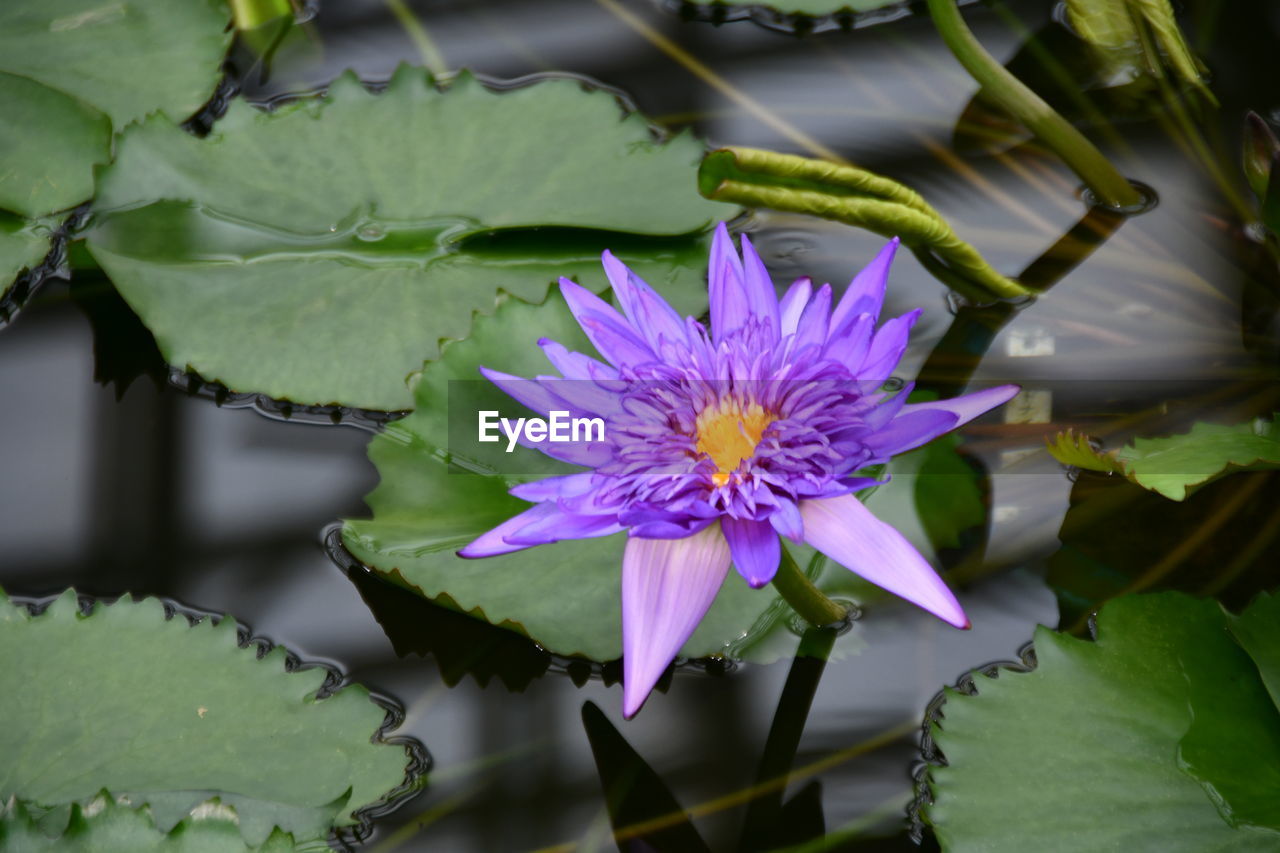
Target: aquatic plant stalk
column 251, row 14
column 759, row 178
column 805, row 599
column 718, row 443
column 1097, row 172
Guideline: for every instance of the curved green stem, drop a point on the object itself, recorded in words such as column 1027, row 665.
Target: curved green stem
column 251, row 14
column 1111, row 187
column 806, row 599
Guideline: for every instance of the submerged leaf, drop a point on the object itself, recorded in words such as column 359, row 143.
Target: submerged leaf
column 1082, row 752
column 328, row 274
column 205, row 718
column 1118, row 537
column 948, row 494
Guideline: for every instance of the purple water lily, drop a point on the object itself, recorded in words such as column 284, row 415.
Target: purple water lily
column 719, row 442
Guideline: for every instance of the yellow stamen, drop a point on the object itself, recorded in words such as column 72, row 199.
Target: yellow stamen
column 728, row 432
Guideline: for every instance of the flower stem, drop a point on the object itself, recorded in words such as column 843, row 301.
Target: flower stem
column 806, row 599
column 1077, row 152
column 251, row 14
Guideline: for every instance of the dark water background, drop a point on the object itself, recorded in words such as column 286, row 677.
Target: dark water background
column 148, row 489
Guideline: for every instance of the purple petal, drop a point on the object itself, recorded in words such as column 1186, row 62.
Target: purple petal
column 755, row 549
column 647, row 311
column 887, row 347
column 966, row 407
column 667, row 587
column 849, row 344
column 532, row 393
column 552, row 488
column 792, row 304
column 494, row 542
column 729, row 306
column 865, row 294
column 812, row 328
column 589, row 454
column 787, row 521
column 909, row 431
column 609, row 333
column 573, row 365
column 847, row 532
column 655, row 523
column 584, row 395
column 762, row 300
column 553, row 527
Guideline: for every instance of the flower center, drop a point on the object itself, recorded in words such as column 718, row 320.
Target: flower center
column 728, row 432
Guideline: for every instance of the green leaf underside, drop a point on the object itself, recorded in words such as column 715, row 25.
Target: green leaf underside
column 23, row 245
column 1178, row 464
column 91, row 706
column 811, row 7
column 328, row 275
column 49, row 143
column 1083, row 753
column 127, row 58
column 106, row 826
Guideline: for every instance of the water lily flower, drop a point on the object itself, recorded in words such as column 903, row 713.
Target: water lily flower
column 721, row 441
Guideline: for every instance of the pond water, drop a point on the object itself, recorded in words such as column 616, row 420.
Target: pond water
column 1152, row 323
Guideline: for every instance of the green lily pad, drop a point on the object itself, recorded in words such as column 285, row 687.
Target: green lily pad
column 49, row 143
column 328, row 273
column 69, row 70
column 172, row 715
column 1177, row 465
column 127, row 58
column 1083, row 752
column 106, row 826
